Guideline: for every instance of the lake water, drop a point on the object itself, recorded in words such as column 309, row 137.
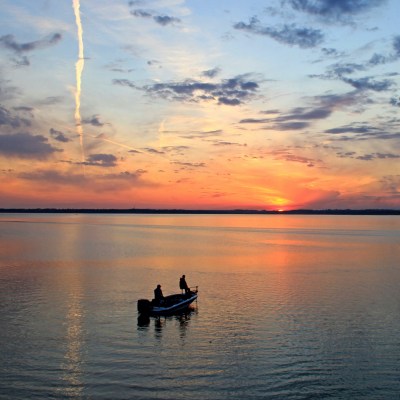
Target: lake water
column 289, row 307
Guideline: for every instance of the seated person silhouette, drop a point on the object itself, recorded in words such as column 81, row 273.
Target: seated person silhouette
column 158, row 295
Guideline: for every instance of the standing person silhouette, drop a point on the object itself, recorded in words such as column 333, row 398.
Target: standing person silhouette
column 183, row 285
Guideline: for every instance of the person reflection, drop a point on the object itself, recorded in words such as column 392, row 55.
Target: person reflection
column 158, row 327
column 183, row 323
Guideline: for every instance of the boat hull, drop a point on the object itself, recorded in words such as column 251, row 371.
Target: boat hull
column 172, row 304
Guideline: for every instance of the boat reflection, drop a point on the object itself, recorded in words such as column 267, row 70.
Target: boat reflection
column 183, row 317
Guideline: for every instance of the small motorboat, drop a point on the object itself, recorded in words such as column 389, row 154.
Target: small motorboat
column 171, row 304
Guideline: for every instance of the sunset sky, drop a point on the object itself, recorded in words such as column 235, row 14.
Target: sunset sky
column 200, row 104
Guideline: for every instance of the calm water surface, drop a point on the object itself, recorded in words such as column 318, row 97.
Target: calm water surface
column 290, row 307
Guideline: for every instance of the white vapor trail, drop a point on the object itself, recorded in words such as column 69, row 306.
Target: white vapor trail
column 79, row 69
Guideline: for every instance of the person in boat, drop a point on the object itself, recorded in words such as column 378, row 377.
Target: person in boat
column 183, row 285
column 158, row 295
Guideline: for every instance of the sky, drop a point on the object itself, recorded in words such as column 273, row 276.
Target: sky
column 200, row 104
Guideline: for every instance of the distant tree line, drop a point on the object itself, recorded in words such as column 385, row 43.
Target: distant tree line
column 182, row 211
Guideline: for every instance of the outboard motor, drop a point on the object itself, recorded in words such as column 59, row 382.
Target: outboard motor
column 144, row 306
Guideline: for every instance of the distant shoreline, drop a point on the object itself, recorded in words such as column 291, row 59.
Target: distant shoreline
column 205, row 212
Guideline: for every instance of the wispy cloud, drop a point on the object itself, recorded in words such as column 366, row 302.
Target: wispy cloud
column 9, row 42
column 353, row 129
column 12, row 120
column 392, row 56
column 302, row 113
column 7, row 91
column 381, row 156
column 203, row 134
column 58, row 135
column 369, row 156
column 391, row 183
column 395, row 101
column 288, row 155
column 334, row 10
column 152, row 150
column 367, row 83
column 54, row 177
column 290, row 126
column 26, row 145
column 101, row 160
column 160, row 19
column 289, row 34
column 225, row 143
column 232, row 92
column 299, row 118
column 296, row 119
column 94, row 121
column 175, row 149
column 254, row 120
column 211, row 73
column 364, row 131
column 103, row 183
column 345, row 71
column 189, row 165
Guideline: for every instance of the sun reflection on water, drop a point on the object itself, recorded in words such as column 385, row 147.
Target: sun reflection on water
column 72, row 363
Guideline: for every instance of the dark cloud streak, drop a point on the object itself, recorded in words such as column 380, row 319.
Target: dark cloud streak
column 367, row 83
column 211, row 73
column 232, row 92
column 101, row 160
column 25, row 145
column 287, row 34
column 296, row 119
column 287, row 155
column 13, row 121
column 94, row 121
column 189, row 165
column 163, row 20
column 58, row 135
column 334, row 10
column 103, row 183
column 8, row 42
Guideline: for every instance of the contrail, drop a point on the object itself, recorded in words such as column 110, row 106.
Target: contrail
column 79, row 69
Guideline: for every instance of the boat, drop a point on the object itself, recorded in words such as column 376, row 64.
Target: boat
column 171, row 304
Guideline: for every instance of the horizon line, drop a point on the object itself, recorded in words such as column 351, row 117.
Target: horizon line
column 81, row 210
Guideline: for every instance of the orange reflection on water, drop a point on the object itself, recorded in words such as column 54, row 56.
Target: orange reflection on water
column 70, row 278
column 72, row 365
